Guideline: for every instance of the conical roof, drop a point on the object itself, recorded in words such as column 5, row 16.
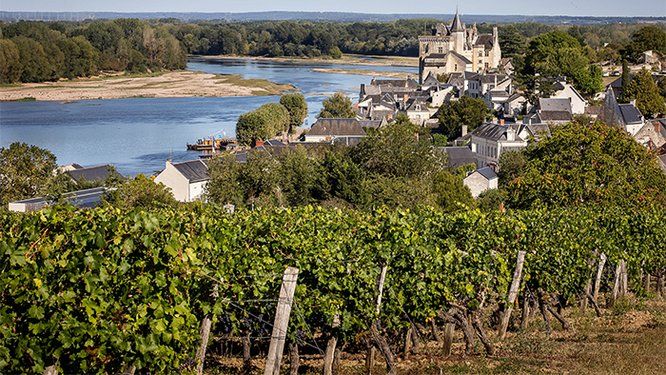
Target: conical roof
column 457, row 25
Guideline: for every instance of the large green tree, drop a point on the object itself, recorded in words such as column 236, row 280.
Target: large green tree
column 644, row 90
column 557, row 54
column 298, row 109
column 647, row 38
column 337, row 106
column 263, row 123
column 466, row 111
column 10, row 62
column 141, row 192
column 583, row 164
column 27, row 172
column 400, row 149
column 33, row 59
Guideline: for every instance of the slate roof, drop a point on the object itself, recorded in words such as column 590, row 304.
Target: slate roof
column 485, row 40
column 193, row 170
column 456, row 24
column 409, row 82
column 555, row 104
column 431, row 80
column 459, row 156
column 539, row 131
column 487, row 172
column 630, row 114
column 493, row 132
column 86, row 198
column 336, row 127
column 555, row 116
column 374, row 124
column 91, row 174
column 434, row 56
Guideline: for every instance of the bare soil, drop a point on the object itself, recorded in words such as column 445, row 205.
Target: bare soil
column 630, row 339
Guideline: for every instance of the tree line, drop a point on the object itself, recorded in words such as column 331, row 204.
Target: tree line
column 138, row 46
column 40, row 51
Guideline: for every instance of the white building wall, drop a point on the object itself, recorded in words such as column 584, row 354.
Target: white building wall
column 196, row 190
column 478, row 184
column 175, row 181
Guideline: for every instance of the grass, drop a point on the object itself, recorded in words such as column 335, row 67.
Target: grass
column 258, row 86
column 24, row 99
column 629, row 338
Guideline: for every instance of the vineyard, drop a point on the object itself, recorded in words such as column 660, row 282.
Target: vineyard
column 107, row 291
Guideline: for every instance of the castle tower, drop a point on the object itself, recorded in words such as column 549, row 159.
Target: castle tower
column 458, row 34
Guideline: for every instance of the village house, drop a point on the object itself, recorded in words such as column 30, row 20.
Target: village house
column 565, row 90
column 187, row 180
column 625, row 116
column 93, row 174
column 86, row 198
column 347, row 131
column 481, row 180
column 456, row 48
column 553, row 111
column 490, row 141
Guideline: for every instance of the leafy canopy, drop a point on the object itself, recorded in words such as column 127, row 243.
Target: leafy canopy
column 582, row 164
column 466, row 111
column 337, row 106
column 644, row 89
column 27, row 172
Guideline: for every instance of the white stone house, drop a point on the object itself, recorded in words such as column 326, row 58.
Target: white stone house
column 489, row 141
column 567, row 91
column 335, row 130
column 481, row 180
column 187, row 180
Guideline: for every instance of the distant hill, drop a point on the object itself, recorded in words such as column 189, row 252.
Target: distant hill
column 321, row 16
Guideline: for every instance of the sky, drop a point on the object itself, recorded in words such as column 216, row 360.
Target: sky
column 513, row 7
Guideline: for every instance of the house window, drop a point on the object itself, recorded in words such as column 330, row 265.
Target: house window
column 441, row 49
column 456, row 67
column 480, row 53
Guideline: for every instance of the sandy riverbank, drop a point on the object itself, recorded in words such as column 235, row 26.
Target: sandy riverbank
column 167, row 85
column 346, row 59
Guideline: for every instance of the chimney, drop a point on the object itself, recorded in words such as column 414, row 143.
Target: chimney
column 464, row 130
column 657, row 126
column 495, row 35
column 510, row 134
column 501, row 121
column 259, row 143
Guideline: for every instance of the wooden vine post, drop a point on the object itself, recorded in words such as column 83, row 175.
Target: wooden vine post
column 201, row 352
column 370, row 359
column 281, row 323
column 449, row 330
column 513, row 294
column 597, row 279
column 329, row 355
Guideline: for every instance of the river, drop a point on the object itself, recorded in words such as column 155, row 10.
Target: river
column 137, row 135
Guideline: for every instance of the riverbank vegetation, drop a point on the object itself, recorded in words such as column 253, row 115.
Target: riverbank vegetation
column 40, row 51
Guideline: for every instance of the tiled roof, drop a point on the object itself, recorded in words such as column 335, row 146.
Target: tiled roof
column 193, row 170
